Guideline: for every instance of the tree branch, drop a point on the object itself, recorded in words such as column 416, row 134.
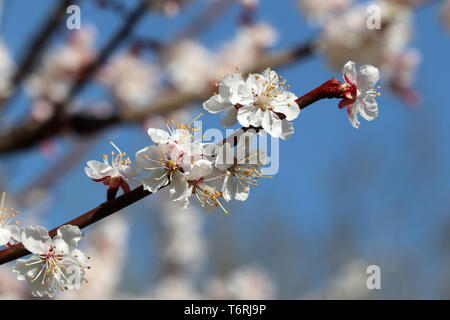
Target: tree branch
column 330, row 89
column 32, row 132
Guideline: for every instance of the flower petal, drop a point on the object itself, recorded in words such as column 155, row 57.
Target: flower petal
column 155, row 180
column 349, row 72
column 368, row 107
column 5, row 236
column 36, row 239
column 216, row 104
column 272, row 124
column 200, row 168
column 67, row 238
column 230, row 118
column 178, row 186
column 367, row 77
column 158, row 135
column 149, row 157
column 98, row 170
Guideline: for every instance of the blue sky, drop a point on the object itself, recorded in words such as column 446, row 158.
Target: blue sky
column 393, row 172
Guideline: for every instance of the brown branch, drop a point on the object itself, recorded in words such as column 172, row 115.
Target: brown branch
column 102, row 211
column 30, row 133
column 35, row 47
column 330, row 89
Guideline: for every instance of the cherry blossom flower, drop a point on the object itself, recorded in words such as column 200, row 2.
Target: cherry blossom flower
column 56, row 263
column 164, row 167
column 116, row 174
column 7, row 231
column 242, row 169
column 262, row 101
column 200, row 180
column 360, row 95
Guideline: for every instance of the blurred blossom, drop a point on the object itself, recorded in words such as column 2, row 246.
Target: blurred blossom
column 190, row 66
column 445, row 14
column 106, row 244
column 346, row 36
column 61, row 66
column 183, row 249
column 319, row 11
column 245, row 283
column 133, row 81
column 10, row 288
column 175, row 287
column 247, row 46
column 169, row 7
column 7, row 67
column 400, row 72
column 348, row 284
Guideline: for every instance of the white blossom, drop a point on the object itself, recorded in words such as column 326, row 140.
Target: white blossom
column 242, row 169
column 261, row 101
column 360, row 95
column 116, row 174
column 201, row 178
column 56, row 263
column 8, row 231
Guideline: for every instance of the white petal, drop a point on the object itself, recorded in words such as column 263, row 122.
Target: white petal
column 349, row 70
column 230, row 118
column 242, row 191
column 129, row 172
column 5, row 236
column 36, row 239
column 98, row 170
column 152, row 152
column 158, row 135
column 15, row 232
column 289, row 108
column 272, row 124
column 178, row 186
column 215, row 104
column 368, row 107
column 25, row 272
column 155, row 180
column 227, row 83
column 200, row 168
column 229, row 187
column 367, row 77
column 354, row 116
column 287, row 129
column 67, row 238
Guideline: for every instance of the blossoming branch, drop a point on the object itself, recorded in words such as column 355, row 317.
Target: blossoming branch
column 213, row 174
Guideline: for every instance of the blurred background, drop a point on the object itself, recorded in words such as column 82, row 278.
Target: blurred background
column 343, row 198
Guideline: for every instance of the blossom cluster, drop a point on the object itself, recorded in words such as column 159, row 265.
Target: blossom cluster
column 56, row 262
column 211, row 173
column 261, row 104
